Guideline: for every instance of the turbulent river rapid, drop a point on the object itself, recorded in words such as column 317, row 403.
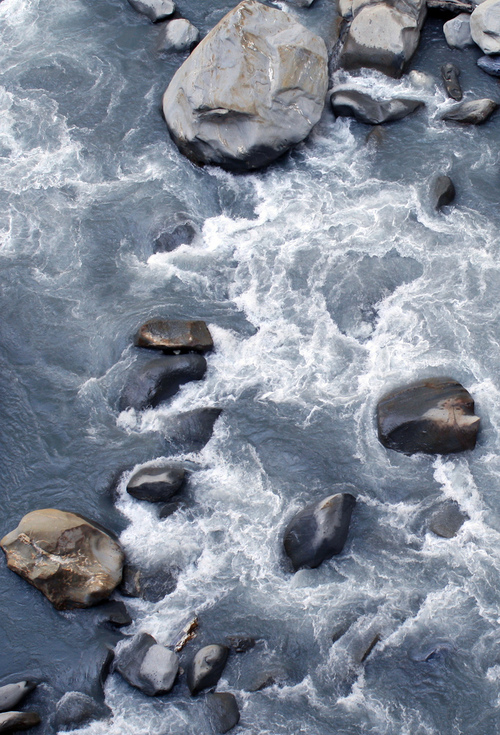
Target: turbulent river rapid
column 326, row 280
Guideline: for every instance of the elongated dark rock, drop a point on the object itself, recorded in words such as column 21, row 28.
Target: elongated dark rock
column 14, row 721
column 12, row 694
column 172, row 335
column 434, row 416
column 156, row 484
column 319, row 531
column 450, row 74
column 364, row 108
column 223, row 711
column 207, row 667
column 474, row 112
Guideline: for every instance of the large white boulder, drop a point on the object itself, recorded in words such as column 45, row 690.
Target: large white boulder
column 485, row 26
column 457, row 31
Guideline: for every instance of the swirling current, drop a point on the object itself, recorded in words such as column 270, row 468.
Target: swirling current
column 326, row 280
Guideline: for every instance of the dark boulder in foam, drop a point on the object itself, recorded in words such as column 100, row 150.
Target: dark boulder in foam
column 169, row 240
column 151, row 585
column 442, row 192
column 156, row 484
column 160, row 379
column 351, row 103
column 223, row 711
column 447, row 519
column 450, row 74
column 76, row 709
column 146, row 665
column 319, row 531
column 192, row 429
column 206, row 668
column 434, row 416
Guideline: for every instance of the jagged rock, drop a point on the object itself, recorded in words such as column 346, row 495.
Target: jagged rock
column 443, row 192
column 485, row 26
column 12, row 694
column 193, row 429
column 183, row 234
column 178, row 35
column 450, row 74
column 251, row 89
column 150, row 585
column 474, row 112
column 435, row 416
column 14, row 721
column 364, row 108
column 155, row 10
column 490, row 64
column 74, row 562
column 223, row 711
column 447, row 520
column 146, row 665
column 174, row 335
column 206, row 667
column 457, row 31
column 76, row 709
column 160, row 379
column 156, row 484
column 319, row 531
column 383, row 36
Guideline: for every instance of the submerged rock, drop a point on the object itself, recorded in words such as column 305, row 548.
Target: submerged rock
column 319, row 531
column 116, row 614
column 155, row 10
column 434, row 416
column 485, row 26
column 453, row 7
column 76, row 709
column 183, row 234
column 490, row 64
column 364, row 108
column 193, row 429
column 251, row 89
column 174, row 335
column 156, row 484
column 14, row 721
column 74, row 562
column 146, row 665
column 447, row 520
column 240, row 643
column 443, row 192
column 160, row 379
column 178, row 35
column 150, row 585
column 207, row 667
column 457, row 31
column 12, row 694
column 223, row 711
column 474, row 112
column 450, row 74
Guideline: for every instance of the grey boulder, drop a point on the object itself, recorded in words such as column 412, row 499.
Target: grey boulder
column 174, row 335
column 12, row 694
column 169, row 240
column 223, row 711
column 76, row 709
column 434, row 416
column 485, row 26
column 155, row 10
column 447, row 519
column 14, row 721
column 474, row 112
column 443, row 192
column 156, row 484
column 178, row 35
column 364, row 108
column 207, row 667
column 319, row 531
column 490, row 64
column 457, row 31
column 192, row 429
column 450, row 74
column 251, row 89
column 146, row 665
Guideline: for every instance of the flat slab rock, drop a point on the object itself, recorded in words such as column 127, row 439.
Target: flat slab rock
column 434, row 416
column 474, row 112
column 74, row 562
column 252, row 88
column 146, row 665
column 75, row 709
column 174, row 335
column 351, row 103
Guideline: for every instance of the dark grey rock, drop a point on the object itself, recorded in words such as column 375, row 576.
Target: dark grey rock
column 169, row 509
column 14, row 721
column 452, row 7
column 490, row 64
column 178, row 35
column 206, row 667
column 447, row 519
column 474, row 112
column 443, row 192
column 12, row 694
column 183, row 234
column 115, row 614
column 155, row 10
column 242, row 103
column 160, row 379
column 319, row 531
column 76, row 709
column 364, row 108
column 174, row 335
column 266, row 679
column 450, row 74
column 457, row 31
column 150, row 585
column 223, row 711
column 434, row 416
column 193, row 429
column 146, row 665
column 156, row 484
column 240, row 643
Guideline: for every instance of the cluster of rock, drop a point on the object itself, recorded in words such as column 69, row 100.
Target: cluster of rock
column 176, row 35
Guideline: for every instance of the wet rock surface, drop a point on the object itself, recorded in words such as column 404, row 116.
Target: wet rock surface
column 206, row 668
column 319, row 531
column 12, row 694
column 252, row 88
column 450, row 74
column 155, row 10
column 457, row 31
column 442, row 191
column 174, row 335
column 13, row 721
column 490, row 64
column 223, row 711
column 76, row 709
column 485, row 26
column 364, row 108
column 151, row 585
column 115, row 614
column 157, row 484
column 447, row 519
column 146, row 665
column 192, row 429
column 74, row 562
column 474, row 112
column 178, row 35
column 434, row 416
column 182, row 234
column 160, row 379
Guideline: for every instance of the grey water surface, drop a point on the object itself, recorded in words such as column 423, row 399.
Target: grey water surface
column 326, row 280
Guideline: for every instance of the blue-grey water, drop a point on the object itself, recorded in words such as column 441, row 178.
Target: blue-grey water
column 326, row 280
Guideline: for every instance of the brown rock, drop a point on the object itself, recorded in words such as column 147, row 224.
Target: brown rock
column 73, row 561
column 172, row 335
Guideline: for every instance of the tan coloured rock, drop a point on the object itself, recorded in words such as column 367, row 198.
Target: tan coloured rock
column 73, row 561
column 172, row 335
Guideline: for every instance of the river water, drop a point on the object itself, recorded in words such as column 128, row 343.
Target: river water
column 326, row 280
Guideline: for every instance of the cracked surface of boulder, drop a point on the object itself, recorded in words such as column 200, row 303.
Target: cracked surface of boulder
column 251, row 89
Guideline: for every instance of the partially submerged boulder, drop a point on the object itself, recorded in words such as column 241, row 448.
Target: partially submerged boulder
column 146, row 665
column 192, row 429
column 434, row 416
column 207, row 667
column 12, row 694
column 457, row 31
column 169, row 240
column 447, row 519
column 151, row 585
column 14, row 721
column 352, row 103
column 223, row 711
column 252, row 88
column 74, row 562
column 178, row 35
column 155, row 10
column 76, row 709
column 442, row 191
column 485, row 26
column 474, row 112
column 490, row 64
column 157, row 484
column 450, row 74
column 319, row 531
column 174, row 335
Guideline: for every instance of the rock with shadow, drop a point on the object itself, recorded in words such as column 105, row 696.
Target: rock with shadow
column 223, row 711
column 474, row 112
column 442, row 192
column 155, row 10
column 11, row 722
column 157, row 484
column 12, row 694
column 191, row 430
column 151, row 585
column 146, row 665
column 351, row 103
column 206, row 667
column 76, row 709
column 174, row 335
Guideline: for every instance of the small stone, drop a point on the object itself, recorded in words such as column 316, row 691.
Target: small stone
column 443, row 191
column 490, row 64
column 156, row 484
column 146, row 665
column 207, row 667
column 14, row 721
column 450, row 74
column 172, row 335
column 12, row 694
column 76, row 709
column 474, row 112
column 155, row 10
column 223, row 711
column 178, row 35
column 183, row 234
column 457, row 31
column 149, row 585
column 447, row 520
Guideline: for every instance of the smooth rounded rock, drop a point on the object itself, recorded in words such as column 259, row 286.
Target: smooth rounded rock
column 364, row 108
column 160, row 379
column 490, row 64
column 485, row 26
column 223, row 711
column 155, row 10
column 146, row 665
column 12, row 694
column 447, row 519
column 450, row 74
column 76, row 709
column 251, row 89
column 474, row 112
column 156, row 484
column 74, row 562
column 14, row 721
column 192, row 429
column 434, row 416
column 457, row 31
column 442, row 192
column 319, row 531
column 174, row 335
column 178, row 35
column 207, row 667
